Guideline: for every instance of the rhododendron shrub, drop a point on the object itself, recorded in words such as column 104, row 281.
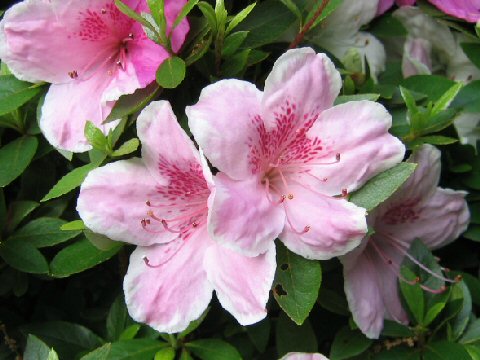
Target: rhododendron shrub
column 239, row 180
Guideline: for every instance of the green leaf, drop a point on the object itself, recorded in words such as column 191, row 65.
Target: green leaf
column 23, row 256
column 73, row 225
column 409, row 102
column 290, row 4
column 472, row 333
column 473, row 233
column 171, row 72
column 66, row 338
column 296, row 284
column 98, row 354
column 157, row 11
column 232, row 43
column 461, row 319
column 117, row 319
column 18, row 211
column 43, row 232
column 213, row 349
column 183, row 13
column 209, row 13
column 237, row 19
column 127, row 147
column 235, row 64
column 472, row 50
column 434, row 140
column 444, row 350
column 135, row 349
column 14, row 93
column 79, row 256
column 413, row 295
column 468, row 98
column 473, row 284
column 259, row 334
column 69, row 182
column 446, row 99
column 333, row 302
column 194, row 324
column 132, row 103
column 133, row 15
column 167, row 353
column 358, row 97
column 330, row 8
column 96, row 137
column 433, row 86
column 3, row 211
column 382, row 186
column 130, row 332
column 348, row 343
column 15, row 157
column 100, row 241
column 289, row 337
column 394, row 329
column 38, row 350
column 266, row 23
column 387, row 26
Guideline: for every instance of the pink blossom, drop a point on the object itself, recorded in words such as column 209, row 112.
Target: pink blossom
column 417, row 57
column 419, row 209
column 90, row 52
column 286, row 156
column 468, row 10
column 303, row 356
column 159, row 203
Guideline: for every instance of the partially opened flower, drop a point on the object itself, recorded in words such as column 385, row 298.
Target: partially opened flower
column 160, row 204
column 90, row 52
column 468, row 10
column 419, row 209
column 340, row 34
column 303, row 356
column 287, row 158
column 432, row 47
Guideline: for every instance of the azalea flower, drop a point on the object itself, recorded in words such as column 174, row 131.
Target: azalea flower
column 431, row 47
column 160, row 204
column 90, row 52
column 419, row 209
column 468, row 10
column 287, row 158
column 303, row 356
column 340, row 34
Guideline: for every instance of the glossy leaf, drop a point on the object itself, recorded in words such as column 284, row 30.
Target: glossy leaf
column 15, row 157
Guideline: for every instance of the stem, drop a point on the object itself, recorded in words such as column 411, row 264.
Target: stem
column 173, row 341
column 299, row 38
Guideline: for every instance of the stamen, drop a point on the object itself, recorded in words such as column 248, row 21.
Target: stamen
column 165, row 225
column 147, row 261
column 290, row 196
column 103, row 11
column 146, row 222
column 131, row 36
column 293, row 229
column 73, row 74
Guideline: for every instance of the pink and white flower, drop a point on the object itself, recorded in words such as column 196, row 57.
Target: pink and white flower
column 286, row 156
column 303, row 356
column 419, row 209
column 340, row 34
column 468, row 10
column 160, row 203
column 90, row 52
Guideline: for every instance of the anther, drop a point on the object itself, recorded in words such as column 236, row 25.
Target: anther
column 103, row 11
column 131, row 36
column 119, row 63
column 290, row 196
column 458, row 278
column 148, row 203
column 194, row 224
column 306, row 229
column 73, row 74
column 109, row 72
column 283, row 198
column 344, row 192
column 337, row 156
column 150, row 213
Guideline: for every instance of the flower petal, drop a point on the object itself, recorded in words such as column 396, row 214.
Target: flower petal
column 416, row 58
column 242, row 284
column 112, row 202
column 168, row 297
column 222, row 123
column 31, row 31
column 320, row 227
column 441, row 219
column 163, row 140
column 362, row 288
column 303, row 356
column 67, row 108
column 242, row 217
column 364, row 150
column 301, row 77
column 464, row 9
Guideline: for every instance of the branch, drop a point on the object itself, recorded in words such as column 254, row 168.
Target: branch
column 299, row 38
